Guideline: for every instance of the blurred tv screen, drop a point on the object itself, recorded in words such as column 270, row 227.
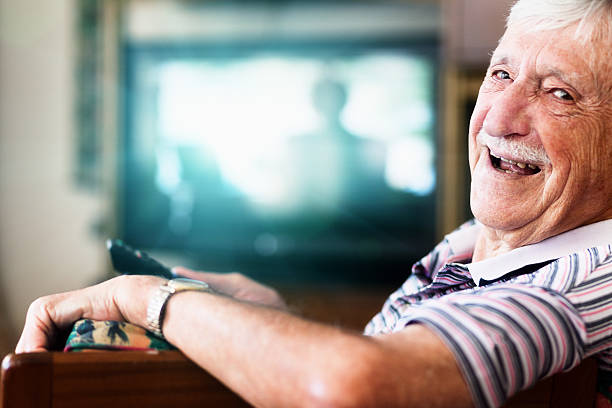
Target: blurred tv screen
column 288, row 162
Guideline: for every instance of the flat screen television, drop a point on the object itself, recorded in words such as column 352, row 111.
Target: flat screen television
column 290, row 162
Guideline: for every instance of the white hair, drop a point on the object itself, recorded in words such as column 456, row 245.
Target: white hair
column 593, row 18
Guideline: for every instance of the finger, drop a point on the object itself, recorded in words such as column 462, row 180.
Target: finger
column 33, row 338
column 188, row 273
column 46, row 318
column 213, row 279
column 225, row 283
column 182, row 271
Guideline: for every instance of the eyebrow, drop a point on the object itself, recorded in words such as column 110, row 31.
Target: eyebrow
column 505, row 60
column 579, row 80
column 554, row 72
column 573, row 78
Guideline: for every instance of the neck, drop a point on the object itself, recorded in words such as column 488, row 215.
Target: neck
column 493, row 242
column 489, row 244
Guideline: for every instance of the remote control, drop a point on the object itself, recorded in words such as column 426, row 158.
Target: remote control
column 129, row 261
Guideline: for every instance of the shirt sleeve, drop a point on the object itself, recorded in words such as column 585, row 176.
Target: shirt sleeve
column 505, row 337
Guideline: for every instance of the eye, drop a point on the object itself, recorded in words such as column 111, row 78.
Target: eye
column 561, row 94
column 501, row 74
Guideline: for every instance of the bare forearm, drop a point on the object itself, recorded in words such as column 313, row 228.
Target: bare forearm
column 273, row 358
column 265, row 354
column 268, row 356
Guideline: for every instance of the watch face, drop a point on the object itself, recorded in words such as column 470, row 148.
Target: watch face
column 180, row 284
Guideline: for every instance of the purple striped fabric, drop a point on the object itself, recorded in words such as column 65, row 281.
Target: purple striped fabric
column 509, row 334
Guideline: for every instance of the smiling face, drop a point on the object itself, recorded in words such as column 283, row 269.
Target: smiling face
column 541, row 136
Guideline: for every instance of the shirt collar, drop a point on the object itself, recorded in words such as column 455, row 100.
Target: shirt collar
column 567, row 243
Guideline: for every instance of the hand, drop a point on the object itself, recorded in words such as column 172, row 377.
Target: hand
column 123, row 298
column 237, row 286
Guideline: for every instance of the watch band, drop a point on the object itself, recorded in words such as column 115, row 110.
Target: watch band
column 156, row 308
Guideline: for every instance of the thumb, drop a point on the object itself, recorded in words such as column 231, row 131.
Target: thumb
column 181, row 271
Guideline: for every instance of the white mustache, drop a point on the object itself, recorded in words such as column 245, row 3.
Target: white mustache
column 517, row 150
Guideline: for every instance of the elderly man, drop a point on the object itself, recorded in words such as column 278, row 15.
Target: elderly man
column 523, row 292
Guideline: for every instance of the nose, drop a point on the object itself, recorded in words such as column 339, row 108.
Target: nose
column 508, row 114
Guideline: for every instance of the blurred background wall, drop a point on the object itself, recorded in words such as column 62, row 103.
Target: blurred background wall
column 52, row 227
column 46, row 243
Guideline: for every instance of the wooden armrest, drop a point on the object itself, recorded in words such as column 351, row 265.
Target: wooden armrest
column 168, row 379
column 110, row 379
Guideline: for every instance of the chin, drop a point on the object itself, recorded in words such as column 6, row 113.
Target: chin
column 498, row 217
column 495, row 222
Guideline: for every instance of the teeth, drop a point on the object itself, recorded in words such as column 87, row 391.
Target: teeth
column 519, row 164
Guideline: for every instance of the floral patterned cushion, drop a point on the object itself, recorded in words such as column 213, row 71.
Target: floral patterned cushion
column 89, row 334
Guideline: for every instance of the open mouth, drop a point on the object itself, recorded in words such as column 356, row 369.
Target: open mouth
column 513, row 167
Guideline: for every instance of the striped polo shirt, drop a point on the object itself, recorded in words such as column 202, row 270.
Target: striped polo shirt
column 516, row 318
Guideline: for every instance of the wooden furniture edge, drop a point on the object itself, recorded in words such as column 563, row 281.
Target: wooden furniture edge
column 22, row 373
column 99, row 378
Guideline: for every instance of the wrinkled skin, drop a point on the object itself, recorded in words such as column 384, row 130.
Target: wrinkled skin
column 124, row 299
column 542, row 90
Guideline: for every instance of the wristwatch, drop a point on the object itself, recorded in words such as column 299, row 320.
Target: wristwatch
column 157, row 305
